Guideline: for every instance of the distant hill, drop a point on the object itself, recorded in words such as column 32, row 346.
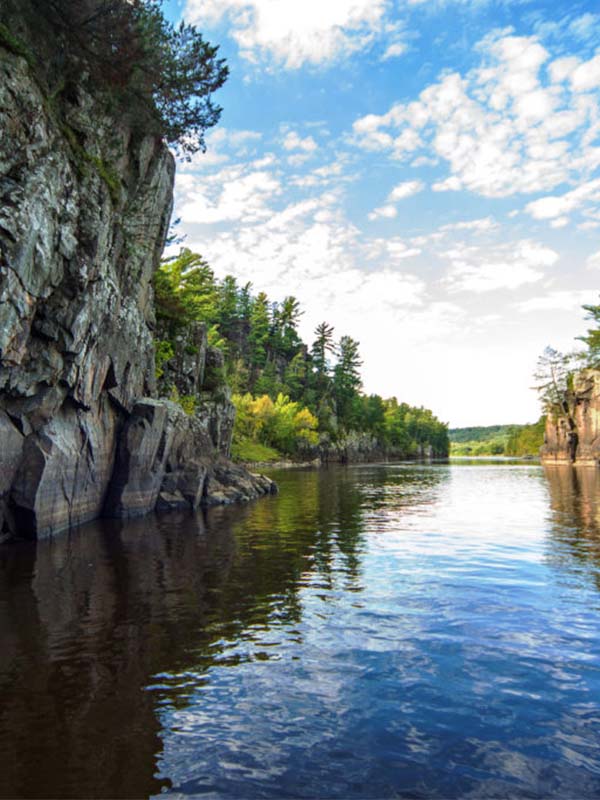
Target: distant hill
column 496, row 440
column 480, row 434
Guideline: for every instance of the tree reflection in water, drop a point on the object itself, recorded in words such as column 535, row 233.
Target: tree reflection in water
column 575, row 520
column 89, row 620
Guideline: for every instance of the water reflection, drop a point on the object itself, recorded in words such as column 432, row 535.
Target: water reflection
column 575, row 519
column 371, row 632
column 90, row 620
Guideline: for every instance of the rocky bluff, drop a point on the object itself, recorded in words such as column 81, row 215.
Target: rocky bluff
column 85, row 209
column 573, row 437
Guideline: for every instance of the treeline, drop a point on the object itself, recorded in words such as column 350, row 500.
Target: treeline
column 480, row 433
column 498, row 440
column 265, row 357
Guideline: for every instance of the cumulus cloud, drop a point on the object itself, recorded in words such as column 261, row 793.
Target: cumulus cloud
column 518, row 123
column 482, row 224
column 406, row 189
column 387, row 212
column 394, row 50
column 554, row 206
column 233, row 194
column 293, row 141
column 399, row 192
column 483, row 269
column 292, row 33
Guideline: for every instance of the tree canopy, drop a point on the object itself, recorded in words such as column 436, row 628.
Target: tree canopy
column 162, row 75
column 287, row 393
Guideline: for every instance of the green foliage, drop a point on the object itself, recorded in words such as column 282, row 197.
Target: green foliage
column 553, row 376
column 248, row 450
column 495, row 440
column 479, row 433
column 185, row 292
column 592, row 338
column 260, row 327
column 347, row 381
column 285, row 393
column 188, row 402
column 489, row 447
column 163, row 351
column 526, row 440
column 555, row 371
column 161, row 76
column 282, row 424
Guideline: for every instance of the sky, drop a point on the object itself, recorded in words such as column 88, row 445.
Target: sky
column 422, row 174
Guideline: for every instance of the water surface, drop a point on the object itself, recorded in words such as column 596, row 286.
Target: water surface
column 373, row 631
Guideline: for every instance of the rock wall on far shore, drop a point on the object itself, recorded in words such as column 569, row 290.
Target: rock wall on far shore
column 573, row 437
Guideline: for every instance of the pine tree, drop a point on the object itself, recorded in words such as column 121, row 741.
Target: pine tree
column 346, row 379
column 260, row 324
column 553, row 376
column 592, row 339
column 322, row 347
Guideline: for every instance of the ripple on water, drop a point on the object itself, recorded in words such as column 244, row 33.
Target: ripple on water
column 387, row 631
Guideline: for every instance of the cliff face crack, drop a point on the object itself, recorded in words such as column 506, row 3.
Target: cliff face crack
column 24, row 288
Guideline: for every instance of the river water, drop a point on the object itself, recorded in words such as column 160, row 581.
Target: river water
column 372, row 632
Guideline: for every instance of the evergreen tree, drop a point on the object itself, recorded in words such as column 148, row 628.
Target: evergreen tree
column 260, row 324
column 162, row 75
column 553, row 376
column 592, row 339
column 289, row 317
column 346, row 379
column 185, row 291
column 322, row 347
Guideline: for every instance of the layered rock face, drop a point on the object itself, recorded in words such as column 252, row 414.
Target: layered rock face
column 84, row 212
column 574, row 437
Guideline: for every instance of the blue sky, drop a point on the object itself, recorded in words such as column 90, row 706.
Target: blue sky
column 423, row 175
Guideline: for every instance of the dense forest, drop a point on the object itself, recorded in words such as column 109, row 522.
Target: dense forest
column 498, row 440
column 291, row 397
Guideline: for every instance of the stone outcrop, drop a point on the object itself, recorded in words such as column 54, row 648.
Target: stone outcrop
column 574, row 436
column 84, row 213
column 357, row 447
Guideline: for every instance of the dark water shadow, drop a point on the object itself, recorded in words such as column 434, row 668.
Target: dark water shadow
column 90, row 619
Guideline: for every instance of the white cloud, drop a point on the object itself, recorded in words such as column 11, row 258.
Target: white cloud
column 483, row 269
column 293, row 33
column 518, row 123
column 387, row 212
column 399, row 192
column 482, row 224
column 560, row 205
column 228, row 196
column 294, row 142
column 394, row 50
column 593, row 261
column 405, row 189
column 559, row 300
column 451, row 184
column 587, row 75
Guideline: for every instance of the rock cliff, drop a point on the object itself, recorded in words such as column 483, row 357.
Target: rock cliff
column 85, row 209
column 574, row 437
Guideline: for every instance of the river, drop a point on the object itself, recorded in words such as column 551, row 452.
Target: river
column 418, row 631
